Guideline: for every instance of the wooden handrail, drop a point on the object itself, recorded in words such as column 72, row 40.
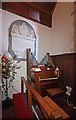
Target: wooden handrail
column 47, row 110
column 56, row 107
column 37, row 96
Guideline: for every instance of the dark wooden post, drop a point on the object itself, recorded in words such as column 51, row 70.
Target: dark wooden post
column 22, row 86
column 29, row 104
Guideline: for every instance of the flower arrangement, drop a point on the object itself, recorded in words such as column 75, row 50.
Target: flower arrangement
column 9, row 67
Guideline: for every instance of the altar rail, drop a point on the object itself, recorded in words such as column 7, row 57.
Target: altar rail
column 48, row 107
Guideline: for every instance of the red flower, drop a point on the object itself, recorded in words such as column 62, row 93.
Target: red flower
column 4, row 57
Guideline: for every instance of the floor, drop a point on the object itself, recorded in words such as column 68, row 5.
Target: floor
column 9, row 112
column 8, row 109
column 68, row 109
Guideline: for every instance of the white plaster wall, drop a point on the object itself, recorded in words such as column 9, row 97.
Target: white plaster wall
column 44, row 40
column 7, row 19
column 63, row 29
column 57, row 40
column 60, row 38
column 43, row 34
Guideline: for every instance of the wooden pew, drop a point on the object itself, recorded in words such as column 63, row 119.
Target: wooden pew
column 55, row 107
column 48, row 107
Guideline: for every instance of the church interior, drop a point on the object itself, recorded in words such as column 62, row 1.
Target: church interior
column 38, row 60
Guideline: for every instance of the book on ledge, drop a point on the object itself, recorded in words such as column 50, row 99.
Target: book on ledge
column 52, row 78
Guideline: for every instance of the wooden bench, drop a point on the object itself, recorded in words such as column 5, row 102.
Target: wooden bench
column 55, row 91
column 56, row 94
column 48, row 107
column 54, row 106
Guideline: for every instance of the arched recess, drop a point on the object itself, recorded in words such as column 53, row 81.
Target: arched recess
column 21, row 36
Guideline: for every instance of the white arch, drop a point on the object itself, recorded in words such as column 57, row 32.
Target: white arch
column 22, row 30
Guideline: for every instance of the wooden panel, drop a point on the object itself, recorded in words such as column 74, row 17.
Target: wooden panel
column 49, row 108
column 34, row 13
column 45, row 19
column 67, row 63
column 39, row 12
column 46, row 7
column 74, row 98
column 20, row 8
column 55, row 91
column 56, row 107
column 70, row 73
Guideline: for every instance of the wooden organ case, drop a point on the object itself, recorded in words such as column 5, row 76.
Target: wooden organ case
column 43, row 75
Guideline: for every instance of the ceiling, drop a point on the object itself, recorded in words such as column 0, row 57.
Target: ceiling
column 46, row 6
column 37, row 0
column 37, row 11
column 28, row 0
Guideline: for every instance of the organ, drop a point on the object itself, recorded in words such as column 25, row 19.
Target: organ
column 43, row 75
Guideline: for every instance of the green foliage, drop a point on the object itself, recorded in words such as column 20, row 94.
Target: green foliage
column 8, row 72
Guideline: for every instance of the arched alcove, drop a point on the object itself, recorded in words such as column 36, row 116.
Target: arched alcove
column 21, row 37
